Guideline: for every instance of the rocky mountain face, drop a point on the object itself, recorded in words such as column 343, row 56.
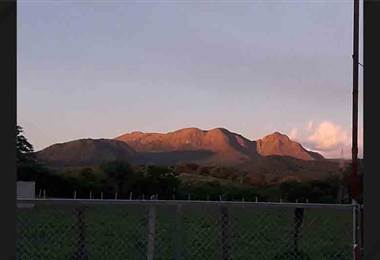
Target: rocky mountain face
column 218, row 147
column 222, row 144
column 279, row 144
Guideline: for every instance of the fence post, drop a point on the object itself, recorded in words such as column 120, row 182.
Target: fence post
column 355, row 241
column 361, row 211
column 81, row 253
column 298, row 221
column 151, row 231
column 225, row 233
column 177, row 233
column 358, row 231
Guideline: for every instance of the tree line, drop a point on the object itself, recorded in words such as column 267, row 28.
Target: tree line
column 143, row 182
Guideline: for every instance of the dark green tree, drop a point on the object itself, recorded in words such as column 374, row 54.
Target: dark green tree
column 120, row 175
column 24, row 149
column 160, row 180
column 293, row 191
column 28, row 168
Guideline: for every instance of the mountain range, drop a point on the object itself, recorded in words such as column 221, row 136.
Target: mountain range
column 218, row 146
column 215, row 147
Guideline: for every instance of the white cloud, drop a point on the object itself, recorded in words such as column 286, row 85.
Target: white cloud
column 293, row 134
column 310, row 125
column 327, row 136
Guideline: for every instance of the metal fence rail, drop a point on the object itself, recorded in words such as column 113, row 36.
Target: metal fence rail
column 153, row 229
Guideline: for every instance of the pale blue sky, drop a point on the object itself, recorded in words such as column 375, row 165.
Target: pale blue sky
column 102, row 68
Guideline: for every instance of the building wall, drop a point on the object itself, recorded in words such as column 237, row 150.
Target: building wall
column 26, row 189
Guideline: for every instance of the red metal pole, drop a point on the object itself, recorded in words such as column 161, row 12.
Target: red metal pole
column 355, row 56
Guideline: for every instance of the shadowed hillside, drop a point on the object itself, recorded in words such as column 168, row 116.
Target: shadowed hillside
column 86, row 152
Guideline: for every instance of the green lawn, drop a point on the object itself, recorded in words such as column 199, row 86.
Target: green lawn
column 194, row 232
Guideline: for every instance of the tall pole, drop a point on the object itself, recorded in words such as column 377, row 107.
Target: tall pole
column 355, row 82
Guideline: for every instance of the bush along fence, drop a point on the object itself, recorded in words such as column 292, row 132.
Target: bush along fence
column 156, row 229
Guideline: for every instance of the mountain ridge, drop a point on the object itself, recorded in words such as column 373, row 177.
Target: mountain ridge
column 214, row 147
column 218, row 140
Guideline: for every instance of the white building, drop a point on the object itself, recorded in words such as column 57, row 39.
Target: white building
column 26, row 190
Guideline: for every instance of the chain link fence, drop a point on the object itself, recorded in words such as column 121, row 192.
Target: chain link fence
column 153, row 229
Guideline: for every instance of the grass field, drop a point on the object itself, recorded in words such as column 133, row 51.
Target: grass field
column 194, row 231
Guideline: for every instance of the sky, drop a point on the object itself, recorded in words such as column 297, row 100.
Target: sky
column 98, row 69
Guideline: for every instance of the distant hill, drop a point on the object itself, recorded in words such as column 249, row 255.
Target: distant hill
column 273, row 155
column 280, row 144
column 86, row 152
